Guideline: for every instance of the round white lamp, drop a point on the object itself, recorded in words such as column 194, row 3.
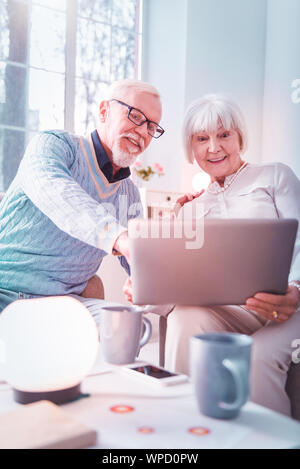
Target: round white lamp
column 47, row 346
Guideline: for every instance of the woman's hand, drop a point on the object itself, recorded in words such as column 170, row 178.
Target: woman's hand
column 188, row 198
column 184, row 199
column 278, row 308
column 127, row 290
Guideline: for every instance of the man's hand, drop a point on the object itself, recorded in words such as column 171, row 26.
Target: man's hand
column 270, row 306
column 127, row 290
column 122, row 245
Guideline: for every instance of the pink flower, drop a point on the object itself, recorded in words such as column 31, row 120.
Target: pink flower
column 158, row 167
column 137, row 164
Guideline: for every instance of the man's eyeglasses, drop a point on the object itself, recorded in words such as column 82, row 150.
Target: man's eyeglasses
column 138, row 118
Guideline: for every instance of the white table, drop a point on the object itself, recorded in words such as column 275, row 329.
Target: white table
column 166, row 417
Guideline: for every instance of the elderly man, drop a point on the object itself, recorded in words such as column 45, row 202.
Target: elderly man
column 71, row 199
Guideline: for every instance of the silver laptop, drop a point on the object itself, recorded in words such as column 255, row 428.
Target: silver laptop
column 226, row 262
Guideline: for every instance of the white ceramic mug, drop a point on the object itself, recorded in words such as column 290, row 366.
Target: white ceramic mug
column 121, row 333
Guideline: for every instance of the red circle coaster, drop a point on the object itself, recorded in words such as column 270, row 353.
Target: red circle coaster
column 146, row 430
column 199, row 431
column 122, row 409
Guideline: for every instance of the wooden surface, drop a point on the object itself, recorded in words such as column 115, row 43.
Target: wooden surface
column 43, row 425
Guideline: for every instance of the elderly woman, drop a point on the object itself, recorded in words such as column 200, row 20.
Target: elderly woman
column 215, row 136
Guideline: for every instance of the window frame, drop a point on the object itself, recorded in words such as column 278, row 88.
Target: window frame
column 70, row 76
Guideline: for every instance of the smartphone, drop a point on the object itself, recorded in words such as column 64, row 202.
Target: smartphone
column 153, row 374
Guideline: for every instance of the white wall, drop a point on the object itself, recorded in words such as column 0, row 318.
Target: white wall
column 225, row 53
column 281, row 126
column 192, row 47
column 163, row 65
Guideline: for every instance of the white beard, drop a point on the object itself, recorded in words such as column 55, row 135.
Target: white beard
column 122, row 158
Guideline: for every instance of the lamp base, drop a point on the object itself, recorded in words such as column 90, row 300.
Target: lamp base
column 58, row 397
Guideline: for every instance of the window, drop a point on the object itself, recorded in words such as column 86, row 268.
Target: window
column 56, row 59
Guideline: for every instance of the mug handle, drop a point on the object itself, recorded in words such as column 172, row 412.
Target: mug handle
column 234, row 367
column 147, row 333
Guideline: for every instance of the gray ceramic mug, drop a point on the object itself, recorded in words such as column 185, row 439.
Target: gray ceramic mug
column 122, row 333
column 219, row 367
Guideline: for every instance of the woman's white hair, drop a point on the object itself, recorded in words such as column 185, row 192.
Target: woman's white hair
column 206, row 113
column 120, row 88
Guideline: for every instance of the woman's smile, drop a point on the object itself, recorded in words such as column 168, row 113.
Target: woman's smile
column 217, row 160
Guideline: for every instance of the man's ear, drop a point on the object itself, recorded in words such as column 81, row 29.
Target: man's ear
column 103, row 110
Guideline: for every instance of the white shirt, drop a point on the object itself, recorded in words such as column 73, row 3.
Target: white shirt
column 270, row 190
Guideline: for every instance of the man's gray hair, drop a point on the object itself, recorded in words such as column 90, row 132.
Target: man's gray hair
column 119, row 88
column 206, row 113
